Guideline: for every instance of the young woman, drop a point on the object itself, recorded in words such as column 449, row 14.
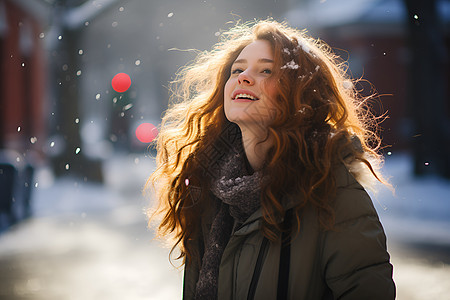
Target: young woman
column 260, row 164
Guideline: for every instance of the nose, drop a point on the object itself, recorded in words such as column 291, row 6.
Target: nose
column 246, row 78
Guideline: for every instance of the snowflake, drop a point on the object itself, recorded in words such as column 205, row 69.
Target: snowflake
column 290, row 65
column 302, row 44
column 347, row 84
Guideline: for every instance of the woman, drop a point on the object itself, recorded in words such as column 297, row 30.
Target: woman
column 260, row 166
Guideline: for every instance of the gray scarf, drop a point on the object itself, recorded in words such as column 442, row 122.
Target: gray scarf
column 239, row 192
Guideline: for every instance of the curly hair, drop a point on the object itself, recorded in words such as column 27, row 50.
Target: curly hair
column 319, row 115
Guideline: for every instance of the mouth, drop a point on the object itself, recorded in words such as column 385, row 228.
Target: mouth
column 244, row 95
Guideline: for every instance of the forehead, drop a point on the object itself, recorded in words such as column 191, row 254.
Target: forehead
column 256, row 50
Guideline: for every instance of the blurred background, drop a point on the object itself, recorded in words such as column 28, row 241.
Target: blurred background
column 74, row 159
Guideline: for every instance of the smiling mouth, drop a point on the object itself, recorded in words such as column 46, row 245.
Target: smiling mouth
column 246, row 97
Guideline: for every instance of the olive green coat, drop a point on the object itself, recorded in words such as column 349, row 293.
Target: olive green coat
column 349, row 262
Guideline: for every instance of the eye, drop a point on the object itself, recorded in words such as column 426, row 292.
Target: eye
column 236, row 71
column 267, row 71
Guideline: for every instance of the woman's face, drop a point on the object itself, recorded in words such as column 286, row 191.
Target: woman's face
column 251, row 89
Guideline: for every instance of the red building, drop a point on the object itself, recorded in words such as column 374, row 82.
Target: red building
column 23, row 78
column 373, row 36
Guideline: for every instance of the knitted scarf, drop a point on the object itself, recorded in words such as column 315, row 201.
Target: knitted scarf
column 239, row 192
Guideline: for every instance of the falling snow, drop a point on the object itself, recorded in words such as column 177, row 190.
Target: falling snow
column 186, row 181
column 97, row 96
column 33, row 139
column 77, row 150
column 67, row 166
column 128, row 106
column 170, row 15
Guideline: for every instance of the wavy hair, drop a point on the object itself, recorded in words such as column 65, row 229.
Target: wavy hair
column 319, row 116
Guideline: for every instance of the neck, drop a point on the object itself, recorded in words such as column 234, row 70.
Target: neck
column 256, row 146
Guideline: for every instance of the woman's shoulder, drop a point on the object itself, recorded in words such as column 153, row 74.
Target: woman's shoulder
column 351, row 201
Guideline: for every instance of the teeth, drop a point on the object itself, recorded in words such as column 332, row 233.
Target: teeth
column 245, row 96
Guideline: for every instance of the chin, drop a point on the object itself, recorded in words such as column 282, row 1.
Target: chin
column 238, row 116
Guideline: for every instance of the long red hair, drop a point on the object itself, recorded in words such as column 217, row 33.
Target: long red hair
column 318, row 114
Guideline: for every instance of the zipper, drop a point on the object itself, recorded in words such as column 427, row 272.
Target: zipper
column 258, row 268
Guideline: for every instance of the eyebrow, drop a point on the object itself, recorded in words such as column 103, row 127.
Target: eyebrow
column 261, row 60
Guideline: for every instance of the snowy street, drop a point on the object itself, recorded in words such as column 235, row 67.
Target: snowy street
column 88, row 241
column 87, row 84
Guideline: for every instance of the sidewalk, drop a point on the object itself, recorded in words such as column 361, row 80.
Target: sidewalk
column 90, row 241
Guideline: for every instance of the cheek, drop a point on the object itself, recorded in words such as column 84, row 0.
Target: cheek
column 227, row 97
column 270, row 89
column 228, row 89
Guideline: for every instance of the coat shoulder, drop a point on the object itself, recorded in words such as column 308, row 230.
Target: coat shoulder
column 351, row 201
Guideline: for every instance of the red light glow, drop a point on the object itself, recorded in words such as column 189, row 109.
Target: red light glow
column 121, row 82
column 146, row 132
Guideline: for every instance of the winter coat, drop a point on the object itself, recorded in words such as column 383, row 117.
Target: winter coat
column 348, row 262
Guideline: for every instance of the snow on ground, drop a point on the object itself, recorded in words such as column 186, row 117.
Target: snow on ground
column 416, row 219
column 419, row 209
column 88, row 241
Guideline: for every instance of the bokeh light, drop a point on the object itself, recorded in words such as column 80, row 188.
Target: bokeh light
column 121, row 82
column 146, row 132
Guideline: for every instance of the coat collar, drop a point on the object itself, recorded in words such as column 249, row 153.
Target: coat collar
column 342, row 176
